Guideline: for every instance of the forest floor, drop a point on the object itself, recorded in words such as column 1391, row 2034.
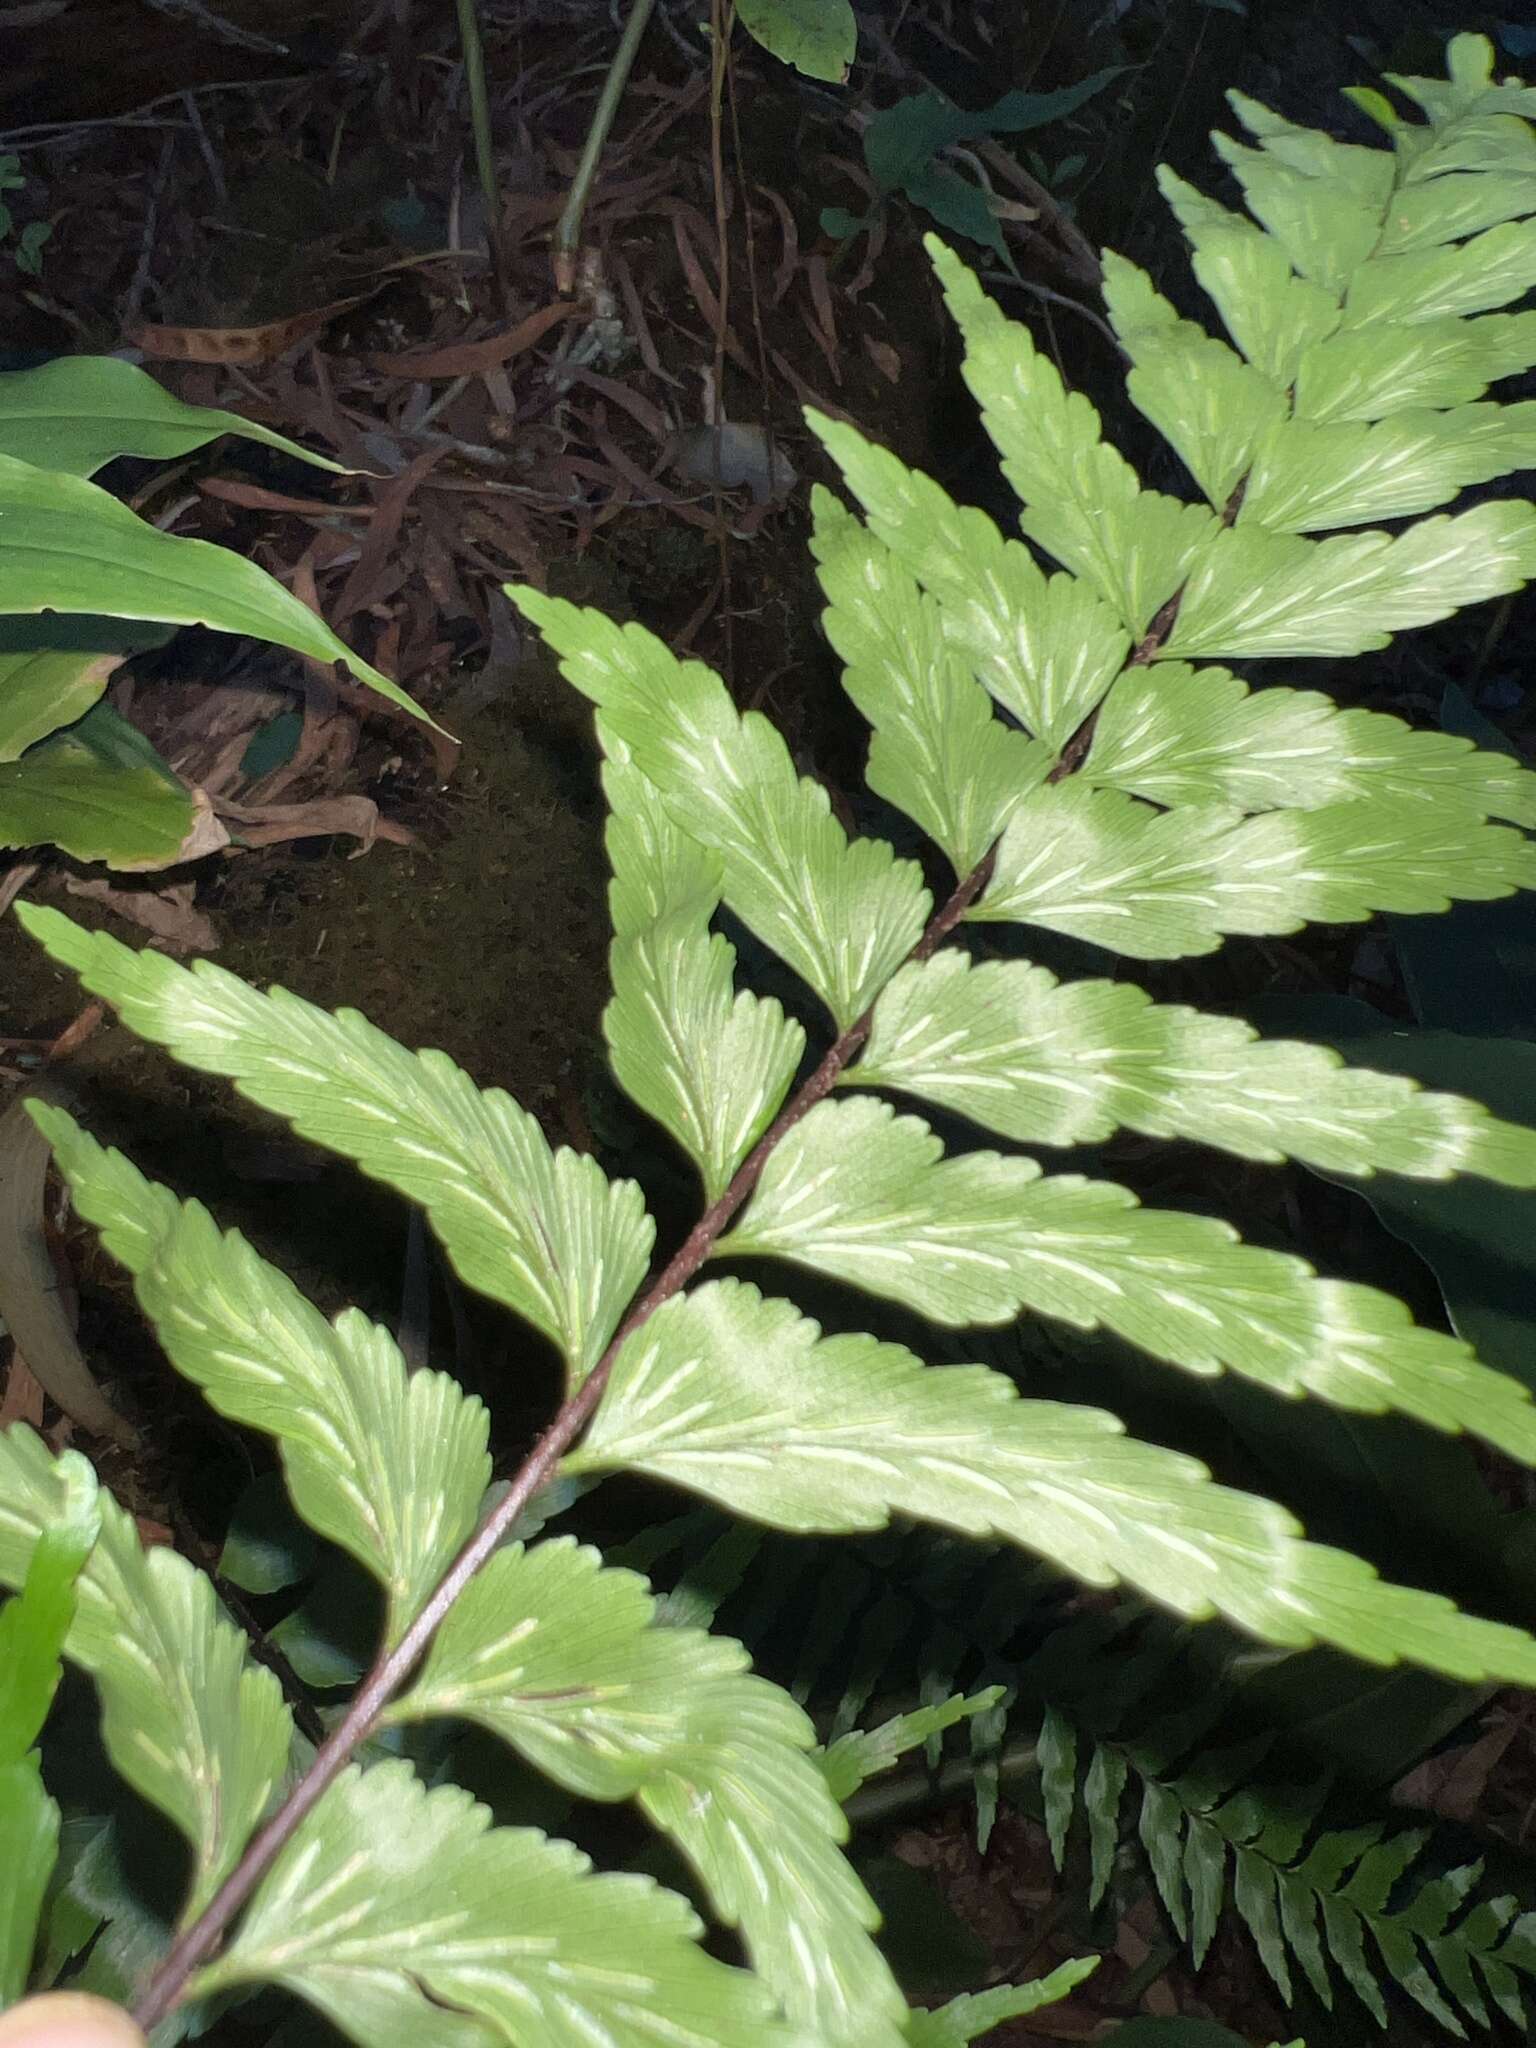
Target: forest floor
column 298, row 237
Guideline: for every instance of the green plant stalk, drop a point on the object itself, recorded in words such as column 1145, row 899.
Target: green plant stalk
column 391, row 1670
column 568, row 227
column 473, row 46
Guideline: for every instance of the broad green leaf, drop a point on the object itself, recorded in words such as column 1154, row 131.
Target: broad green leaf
column 1160, row 885
column 1251, row 593
column 711, row 1065
column 81, row 412
column 543, row 1231
column 867, row 1196
column 266, row 1547
column 390, row 1465
column 818, row 37
column 404, row 1916
column 1209, row 404
column 938, row 752
column 1068, row 1063
column 34, row 1623
column 33, row 1626
column 52, row 670
column 973, row 2015
column 29, row 1848
column 843, row 913
column 188, row 1719
column 1047, row 648
column 93, row 803
column 739, row 1398
column 901, row 139
column 70, row 547
column 1081, row 500
column 561, row 1657
column 1179, row 735
column 101, row 792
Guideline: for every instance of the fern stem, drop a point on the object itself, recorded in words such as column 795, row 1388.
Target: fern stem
column 392, row 1668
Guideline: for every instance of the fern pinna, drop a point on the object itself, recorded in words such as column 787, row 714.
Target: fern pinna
column 1081, row 760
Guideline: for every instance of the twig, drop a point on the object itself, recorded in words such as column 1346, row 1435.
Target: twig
column 42, row 133
column 210, row 157
column 221, row 30
column 393, row 1667
column 568, row 227
column 139, row 283
column 1043, row 291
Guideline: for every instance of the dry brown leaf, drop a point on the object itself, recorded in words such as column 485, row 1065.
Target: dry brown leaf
column 474, row 358
column 167, row 914
column 325, row 817
column 254, row 498
column 260, row 344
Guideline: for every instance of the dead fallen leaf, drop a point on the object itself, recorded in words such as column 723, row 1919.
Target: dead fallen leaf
column 168, row 914
column 474, row 358
column 260, row 344
column 353, row 817
column 1453, row 1783
column 254, row 498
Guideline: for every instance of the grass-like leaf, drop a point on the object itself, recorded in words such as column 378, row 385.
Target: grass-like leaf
column 738, row 1397
column 392, row 1466
column 79, row 413
column 33, row 1626
column 543, row 1231
column 404, row 1916
column 562, row 1659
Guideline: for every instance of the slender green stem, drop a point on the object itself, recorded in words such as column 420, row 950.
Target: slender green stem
column 568, row 227
column 473, row 47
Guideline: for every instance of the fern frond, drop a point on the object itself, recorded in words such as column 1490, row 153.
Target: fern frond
column 856, row 1191
column 1045, row 1062
column 189, row 1721
column 391, row 1466
column 938, row 753
column 843, row 913
column 738, row 1397
column 1178, row 735
column 561, row 1658
column 479, row 1934
column 1336, row 1902
column 1165, row 885
column 544, row 1231
column 712, row 1064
